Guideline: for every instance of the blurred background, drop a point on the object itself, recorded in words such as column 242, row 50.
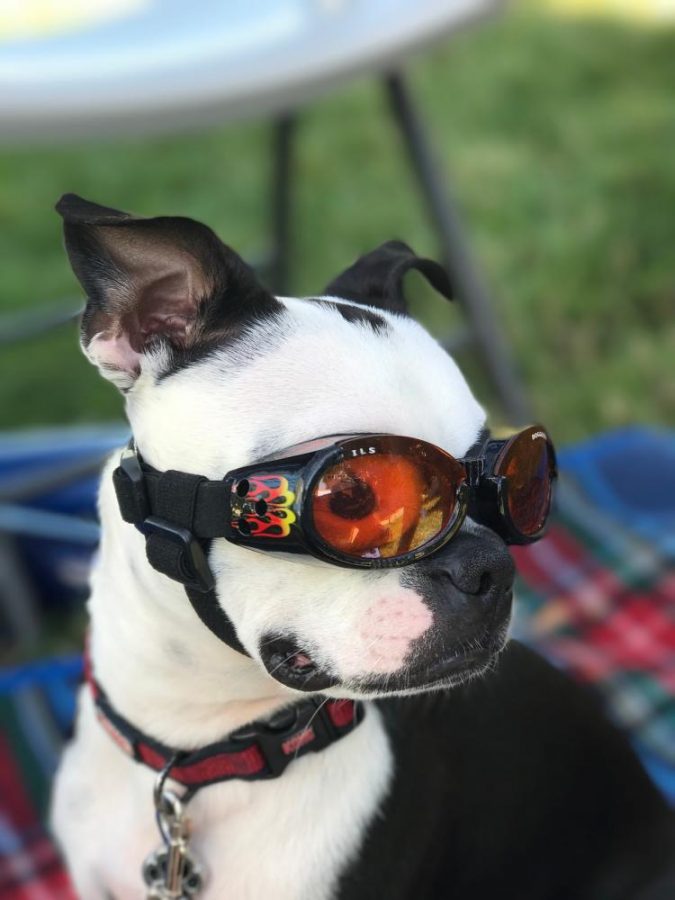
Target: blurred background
column 528, row 145
column 557, row 130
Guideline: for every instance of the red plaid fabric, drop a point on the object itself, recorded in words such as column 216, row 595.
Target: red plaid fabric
column 30, row 868
column 600, row 602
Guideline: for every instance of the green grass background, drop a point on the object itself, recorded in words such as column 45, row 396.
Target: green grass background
column 559, row 136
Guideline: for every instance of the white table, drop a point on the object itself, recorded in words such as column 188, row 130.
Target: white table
column 168, row 64
column 146, row 66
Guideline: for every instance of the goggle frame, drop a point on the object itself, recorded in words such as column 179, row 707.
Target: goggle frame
column 276, row 513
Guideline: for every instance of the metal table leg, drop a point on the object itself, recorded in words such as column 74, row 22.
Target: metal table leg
column 471, row 290
column 282, row 171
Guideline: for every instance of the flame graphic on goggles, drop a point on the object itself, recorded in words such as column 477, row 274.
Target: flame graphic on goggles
column 276, row 521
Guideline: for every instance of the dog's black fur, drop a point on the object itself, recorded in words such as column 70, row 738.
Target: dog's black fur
column 513, row 787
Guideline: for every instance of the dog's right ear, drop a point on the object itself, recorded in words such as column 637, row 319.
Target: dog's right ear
column 376, row 278
column 167, row 279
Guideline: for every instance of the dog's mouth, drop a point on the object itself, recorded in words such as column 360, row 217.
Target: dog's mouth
column 295, row 668
column 292, row 665
column 430, row 665
column 445, row 673
column 430, row 673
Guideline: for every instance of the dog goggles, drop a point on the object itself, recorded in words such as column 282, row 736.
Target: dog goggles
column 364, row 501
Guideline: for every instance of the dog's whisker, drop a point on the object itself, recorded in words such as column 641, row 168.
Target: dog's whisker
column 272, row 640
column 309, row 724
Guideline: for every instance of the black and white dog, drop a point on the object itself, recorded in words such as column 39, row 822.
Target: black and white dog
column 507, row 786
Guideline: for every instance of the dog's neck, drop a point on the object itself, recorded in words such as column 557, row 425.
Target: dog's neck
column 161, row 667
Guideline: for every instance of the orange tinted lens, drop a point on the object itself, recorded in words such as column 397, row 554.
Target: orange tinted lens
column 388, row 502
column 528, row 467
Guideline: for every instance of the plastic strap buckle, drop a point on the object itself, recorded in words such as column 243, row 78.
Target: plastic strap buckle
column 291, row 733
column 195, row 571
column 129, row 482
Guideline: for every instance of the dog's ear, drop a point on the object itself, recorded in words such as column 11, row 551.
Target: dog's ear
column 165, row 279
column 376, row 279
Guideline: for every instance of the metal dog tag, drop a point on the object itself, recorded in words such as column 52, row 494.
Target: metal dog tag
column 171, row 872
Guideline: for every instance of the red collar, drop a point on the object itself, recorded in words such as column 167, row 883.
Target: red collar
column 256, row 751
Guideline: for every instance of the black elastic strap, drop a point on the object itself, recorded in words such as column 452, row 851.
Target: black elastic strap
column 205, row 512
column 189, row 504
column 212, row 614
column 166, row 557
column 174, row 501
column 176, row 497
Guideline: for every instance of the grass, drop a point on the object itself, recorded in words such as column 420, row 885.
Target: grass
column 558, row 135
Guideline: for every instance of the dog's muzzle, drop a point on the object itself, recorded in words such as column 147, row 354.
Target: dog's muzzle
column 467, row 587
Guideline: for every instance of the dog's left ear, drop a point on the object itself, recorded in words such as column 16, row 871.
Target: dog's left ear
column 376, row 279
column 167, row 279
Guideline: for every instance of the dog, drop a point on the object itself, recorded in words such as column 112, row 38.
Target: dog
column 454, row 763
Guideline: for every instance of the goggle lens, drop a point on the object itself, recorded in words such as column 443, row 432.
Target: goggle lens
column 386, row 500
column 528, row 465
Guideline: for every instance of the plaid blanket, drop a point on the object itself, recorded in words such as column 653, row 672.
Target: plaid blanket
column 597, row 598
column 36, row 713
column 30, row 867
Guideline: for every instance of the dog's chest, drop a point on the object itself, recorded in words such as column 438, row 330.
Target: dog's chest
column 290, row 838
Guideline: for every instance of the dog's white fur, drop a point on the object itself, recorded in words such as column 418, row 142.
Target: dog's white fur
column 305, row 374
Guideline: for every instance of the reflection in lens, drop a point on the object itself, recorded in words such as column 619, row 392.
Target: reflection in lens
column 386, row 503
column 528, row 467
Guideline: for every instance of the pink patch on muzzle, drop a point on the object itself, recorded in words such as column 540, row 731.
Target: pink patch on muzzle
column 388, row 628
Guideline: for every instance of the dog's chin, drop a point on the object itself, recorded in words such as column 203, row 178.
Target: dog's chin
column 442, row 675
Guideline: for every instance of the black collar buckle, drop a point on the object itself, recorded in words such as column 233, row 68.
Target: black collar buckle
column 290, row 733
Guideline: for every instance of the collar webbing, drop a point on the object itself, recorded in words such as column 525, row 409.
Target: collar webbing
column 260, row 750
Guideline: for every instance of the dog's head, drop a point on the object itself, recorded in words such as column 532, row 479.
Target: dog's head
column 218, row 373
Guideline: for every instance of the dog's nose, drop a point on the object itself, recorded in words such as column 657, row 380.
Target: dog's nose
column 476, row 562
